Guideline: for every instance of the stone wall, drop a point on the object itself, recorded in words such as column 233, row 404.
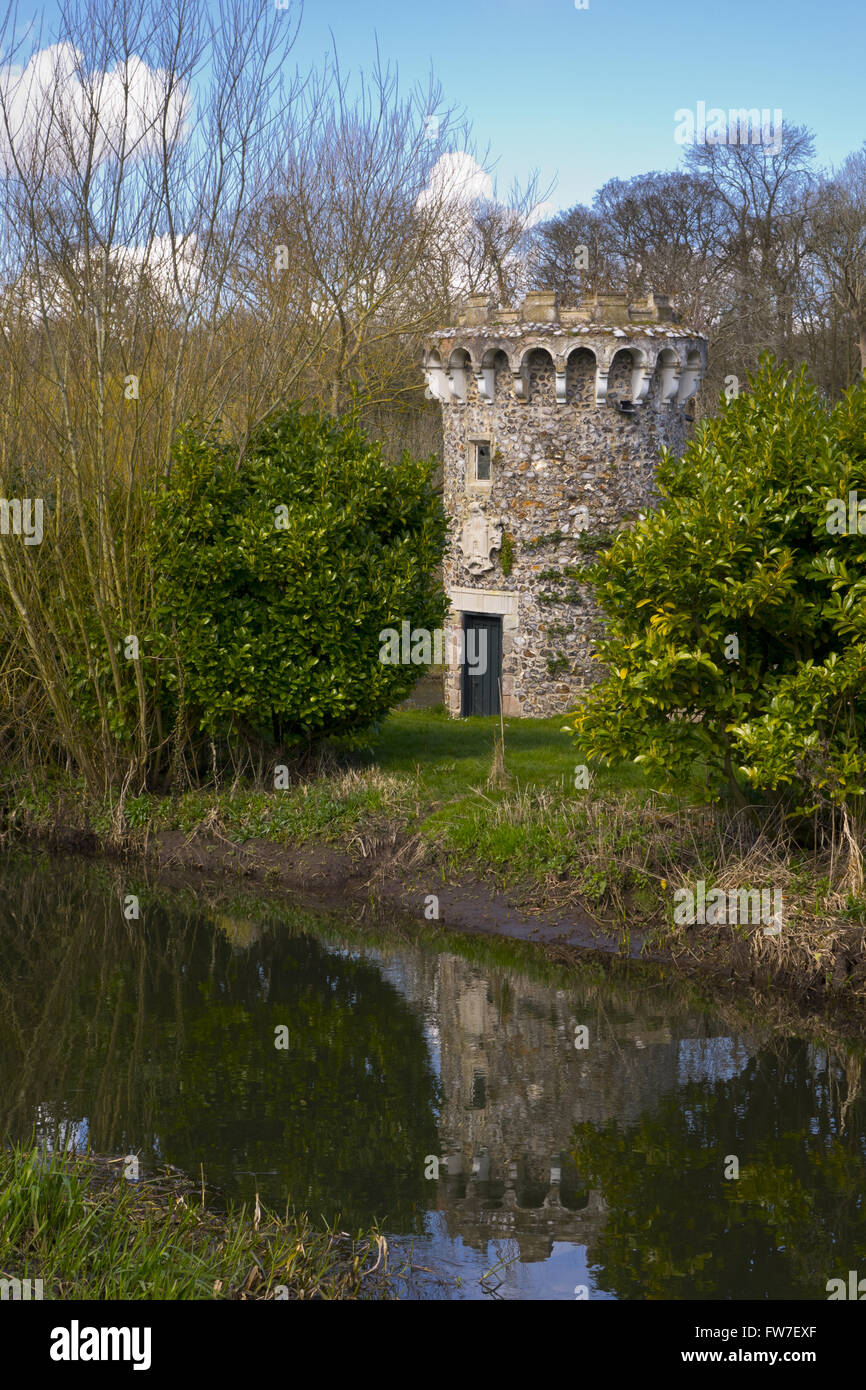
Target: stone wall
column 549, row 462
column 567, row 462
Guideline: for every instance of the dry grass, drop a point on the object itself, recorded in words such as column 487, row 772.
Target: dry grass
column 76, row 1223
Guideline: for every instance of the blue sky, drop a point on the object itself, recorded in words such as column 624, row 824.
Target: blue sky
column 588, row 95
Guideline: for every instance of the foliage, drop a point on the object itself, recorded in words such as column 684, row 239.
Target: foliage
column 786, row 1223
column 572, row 595
column 506, row 553
column 736, row 633
column 556, row 665
column 277, row 573
column 549, row 538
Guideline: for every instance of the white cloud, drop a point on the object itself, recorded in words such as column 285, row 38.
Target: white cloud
column 168, row 268
column 457, row 178
column 54, row 111
column 540, row 213
column 173, row 276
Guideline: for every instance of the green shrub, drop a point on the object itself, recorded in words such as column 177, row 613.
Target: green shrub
column 736, row 632
column 277, row 573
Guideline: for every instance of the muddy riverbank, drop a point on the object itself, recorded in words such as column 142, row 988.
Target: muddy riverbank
column 766, row 971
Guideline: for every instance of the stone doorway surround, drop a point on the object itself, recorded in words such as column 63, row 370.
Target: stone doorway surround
column 497, row 602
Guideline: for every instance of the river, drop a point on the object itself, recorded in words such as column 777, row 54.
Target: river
column 518, row 1129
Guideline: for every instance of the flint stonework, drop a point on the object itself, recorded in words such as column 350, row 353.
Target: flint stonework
column 576, row 406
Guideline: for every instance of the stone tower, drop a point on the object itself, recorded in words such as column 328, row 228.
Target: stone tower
column 553, row 423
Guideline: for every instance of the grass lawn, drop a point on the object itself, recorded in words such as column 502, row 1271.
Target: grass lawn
column 420, row 770
column 535, row 827
column 450, row 756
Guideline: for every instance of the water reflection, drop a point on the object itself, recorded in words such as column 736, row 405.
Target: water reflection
column 559, row 1167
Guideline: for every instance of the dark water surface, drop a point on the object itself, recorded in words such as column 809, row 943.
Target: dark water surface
column 601, row 1167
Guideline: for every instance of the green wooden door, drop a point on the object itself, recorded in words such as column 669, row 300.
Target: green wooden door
column 482, row 663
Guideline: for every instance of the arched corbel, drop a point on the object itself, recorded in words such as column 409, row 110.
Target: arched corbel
column 601, row 375
column 641, row 376
column 690, row 377
column 437, row 383
column 457, row 384
column 485, row 379
column 669, row 376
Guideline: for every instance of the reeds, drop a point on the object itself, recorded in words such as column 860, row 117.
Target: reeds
column 87, row 1232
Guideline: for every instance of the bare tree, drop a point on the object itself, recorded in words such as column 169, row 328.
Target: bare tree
column 575, row 254
column 131, row 150
column 761, row 191
column 490, row 242
column 837, row 241
column 666, row 229
column 360, row 219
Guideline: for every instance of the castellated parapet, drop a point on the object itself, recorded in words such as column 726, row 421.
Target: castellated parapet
column 553, row 423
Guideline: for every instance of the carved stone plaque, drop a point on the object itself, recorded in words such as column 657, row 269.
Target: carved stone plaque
column 478, row 536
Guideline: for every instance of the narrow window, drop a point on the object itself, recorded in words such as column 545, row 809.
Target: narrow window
column 478, row 1098
column 482, row 461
